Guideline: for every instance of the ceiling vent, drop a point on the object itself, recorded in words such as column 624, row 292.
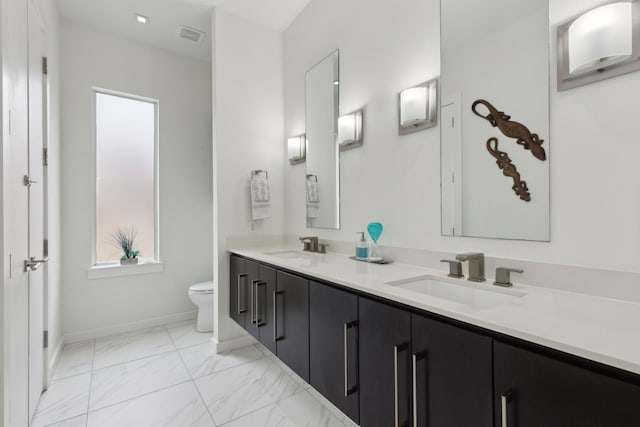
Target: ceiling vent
column 190, row 34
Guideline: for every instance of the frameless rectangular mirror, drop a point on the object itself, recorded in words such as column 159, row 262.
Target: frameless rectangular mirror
column 495, row 118
column 323, row 169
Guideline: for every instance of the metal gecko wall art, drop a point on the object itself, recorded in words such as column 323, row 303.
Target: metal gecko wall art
column 522, row 135
column 530, row 141
column 509, row 169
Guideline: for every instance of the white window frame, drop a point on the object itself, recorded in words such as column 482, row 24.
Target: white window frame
column 111, row 269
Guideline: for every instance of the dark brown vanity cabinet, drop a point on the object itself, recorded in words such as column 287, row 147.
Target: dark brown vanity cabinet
column 452, row 381
column 385, row 359
column 252, row 285
column 238, row 290
column 333, row 346
column 261, row 281
column 273, row 306
column 384, row 364
column 533, row 390
column 417, row 371
column 291, row 322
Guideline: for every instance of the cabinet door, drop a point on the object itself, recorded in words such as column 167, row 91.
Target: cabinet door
column 532, row 390
column 253, row 277
column 385, row 349
column 291, row 311
column 238, row 290
column 264, row 307
column 333, row 346
column 452, row 375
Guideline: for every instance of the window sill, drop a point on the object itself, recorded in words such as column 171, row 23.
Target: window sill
column 117, row 270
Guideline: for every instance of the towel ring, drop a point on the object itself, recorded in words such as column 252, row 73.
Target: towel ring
column 258, row 172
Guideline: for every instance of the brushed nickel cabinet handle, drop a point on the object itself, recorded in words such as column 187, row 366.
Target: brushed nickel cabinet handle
column 276, row 337
column 240, row 309
column 395, row 385
column 347, row 390
column 505, row 398
column 253, row 303
column 259, row 321
column 414, row 362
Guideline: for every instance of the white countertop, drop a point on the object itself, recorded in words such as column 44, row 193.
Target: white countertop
column 600, row 329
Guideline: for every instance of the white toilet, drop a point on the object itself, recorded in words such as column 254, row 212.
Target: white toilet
column 201, row 294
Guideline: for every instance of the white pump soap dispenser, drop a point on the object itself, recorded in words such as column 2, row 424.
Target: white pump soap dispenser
column 363, row 248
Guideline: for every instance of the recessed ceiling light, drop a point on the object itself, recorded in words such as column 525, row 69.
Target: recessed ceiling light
column 141, row 19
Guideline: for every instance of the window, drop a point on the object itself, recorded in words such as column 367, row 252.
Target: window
column 126, row 184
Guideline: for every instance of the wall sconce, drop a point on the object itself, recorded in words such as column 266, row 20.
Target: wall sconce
column 297, row 149
column 350, row 130
column 417, row 107
column 601, row 43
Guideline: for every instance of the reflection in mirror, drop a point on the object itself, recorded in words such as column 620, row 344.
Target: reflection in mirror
column 495, row 119
column 323, row 171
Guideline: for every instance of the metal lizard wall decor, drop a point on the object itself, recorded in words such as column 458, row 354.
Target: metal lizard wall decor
column 509, row 169
column 511, row 129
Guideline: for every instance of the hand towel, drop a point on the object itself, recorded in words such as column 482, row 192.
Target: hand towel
column 313, row 197
column 260, row 196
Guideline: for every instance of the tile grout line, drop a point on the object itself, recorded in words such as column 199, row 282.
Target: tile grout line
column 141, row 395
column 93, row 358
column 191, row 376
column 266, row 405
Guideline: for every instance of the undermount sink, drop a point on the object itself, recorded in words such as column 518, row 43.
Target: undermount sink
column 290, row 254
column 479, row 295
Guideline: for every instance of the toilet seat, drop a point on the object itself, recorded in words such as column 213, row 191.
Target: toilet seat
column 201, row 288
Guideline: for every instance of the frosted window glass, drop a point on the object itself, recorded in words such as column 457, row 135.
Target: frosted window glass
column 125, row 174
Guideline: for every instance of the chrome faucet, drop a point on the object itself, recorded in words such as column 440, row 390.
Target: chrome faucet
column 310, row 243
column 476, row 265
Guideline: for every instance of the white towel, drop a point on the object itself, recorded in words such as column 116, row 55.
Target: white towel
column 313, row 198
column 260, row 196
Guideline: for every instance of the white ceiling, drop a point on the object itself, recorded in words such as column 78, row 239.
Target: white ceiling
column 117, row 17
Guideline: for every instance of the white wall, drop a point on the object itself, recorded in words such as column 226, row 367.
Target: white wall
column 386, row 47
column 183, row 87
column 248, row 104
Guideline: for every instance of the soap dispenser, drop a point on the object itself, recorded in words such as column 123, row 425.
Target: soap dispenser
column 362, row 247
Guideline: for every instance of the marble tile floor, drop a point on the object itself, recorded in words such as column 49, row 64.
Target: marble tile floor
column 169, row 376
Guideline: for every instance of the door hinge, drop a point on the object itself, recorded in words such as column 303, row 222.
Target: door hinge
column 453, row 122
column 45, row 247
column 45, row 339
column 45, row 157
column 45, row 66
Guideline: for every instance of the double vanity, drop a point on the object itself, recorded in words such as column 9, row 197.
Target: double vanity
column 402, row 345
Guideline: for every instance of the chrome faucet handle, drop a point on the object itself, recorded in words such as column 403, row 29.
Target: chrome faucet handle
column 455, row 268
column 322, row 248
column 503, row 276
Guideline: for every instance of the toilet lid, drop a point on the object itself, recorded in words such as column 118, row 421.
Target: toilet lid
column 202, row 288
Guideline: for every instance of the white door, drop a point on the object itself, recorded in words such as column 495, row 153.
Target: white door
column 16, row 214
column 451, row 165
column 36, row 207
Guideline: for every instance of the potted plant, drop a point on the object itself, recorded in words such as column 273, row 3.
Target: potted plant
column 124, row 240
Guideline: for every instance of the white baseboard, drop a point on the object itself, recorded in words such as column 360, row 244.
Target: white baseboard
column 128, row 327
column 233, row 343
